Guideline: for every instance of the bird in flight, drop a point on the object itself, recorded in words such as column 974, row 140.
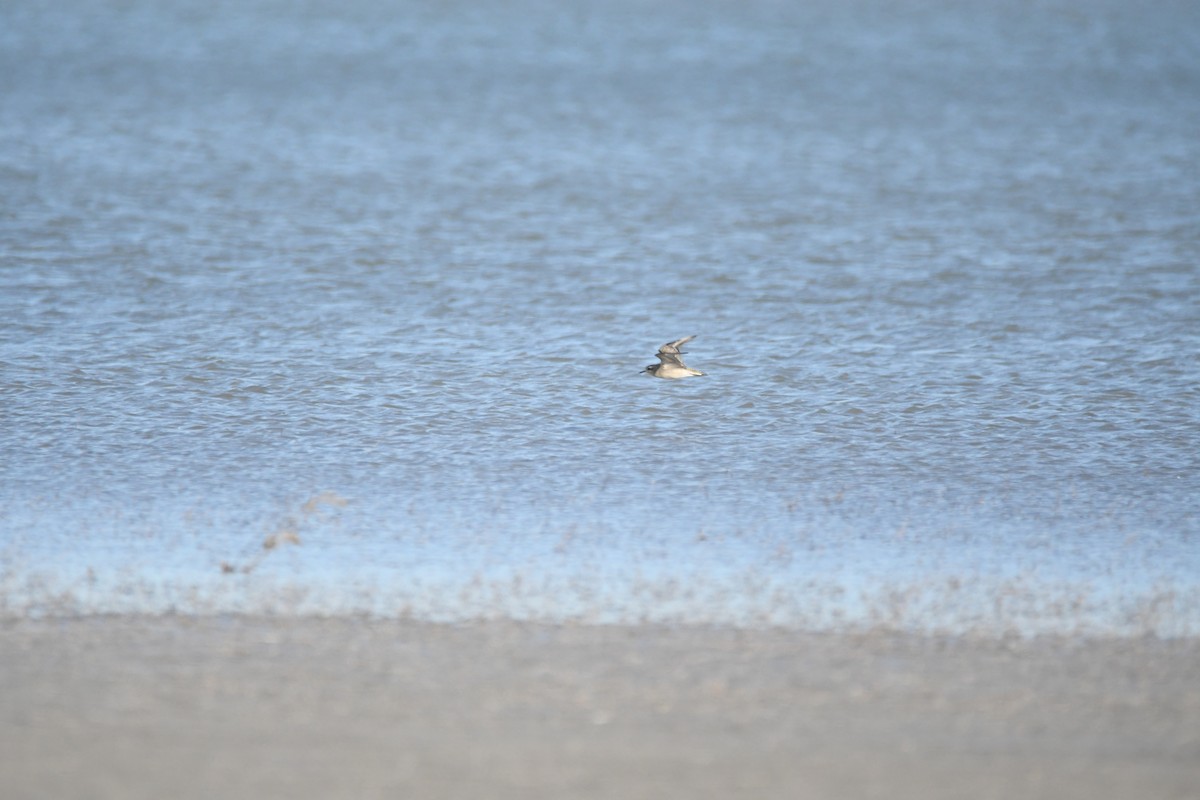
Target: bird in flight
column 671, row 362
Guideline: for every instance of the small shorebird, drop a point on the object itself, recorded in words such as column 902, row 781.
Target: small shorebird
column 670, row 362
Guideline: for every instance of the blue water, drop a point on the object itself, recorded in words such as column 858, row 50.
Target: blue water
column 338, row 308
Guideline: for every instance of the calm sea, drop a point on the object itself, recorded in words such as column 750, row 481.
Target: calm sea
column 339, row 308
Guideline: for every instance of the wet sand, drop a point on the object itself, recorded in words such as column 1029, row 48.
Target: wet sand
column 185, row 708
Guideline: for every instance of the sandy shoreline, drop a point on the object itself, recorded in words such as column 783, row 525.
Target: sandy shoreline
column 251, row 707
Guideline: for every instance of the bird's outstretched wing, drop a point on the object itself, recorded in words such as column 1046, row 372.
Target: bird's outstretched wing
column 673, row 347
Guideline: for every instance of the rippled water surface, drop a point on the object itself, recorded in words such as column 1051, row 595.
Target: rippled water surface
column 340, row 307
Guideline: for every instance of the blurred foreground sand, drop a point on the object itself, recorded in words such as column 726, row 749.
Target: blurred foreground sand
column 295, row 708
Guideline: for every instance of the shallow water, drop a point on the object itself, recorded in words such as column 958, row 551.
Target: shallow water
column 372, row 284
